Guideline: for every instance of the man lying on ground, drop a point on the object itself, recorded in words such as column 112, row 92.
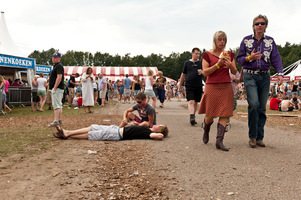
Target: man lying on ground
column 146, row 112
column 112, row 132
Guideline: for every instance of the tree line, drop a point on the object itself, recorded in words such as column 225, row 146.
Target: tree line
column 170, row 65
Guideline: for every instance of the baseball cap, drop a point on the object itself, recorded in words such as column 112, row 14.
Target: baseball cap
column 57, row 54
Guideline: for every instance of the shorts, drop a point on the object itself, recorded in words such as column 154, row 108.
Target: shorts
column 71, row 93
column 49, row 97
column 102, row 94
column 100, row 132
column 42, row 93
column 194, row 94
column 136, row 92
column 149, row 93
column 57, row 97
column 34, row 97
column 127, row 92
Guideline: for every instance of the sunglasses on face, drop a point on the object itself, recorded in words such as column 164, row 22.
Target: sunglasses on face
column 261, row 23
column 139, row 102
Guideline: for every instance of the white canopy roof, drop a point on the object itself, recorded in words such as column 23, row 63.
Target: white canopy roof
column 7, row 46
column 296, row 70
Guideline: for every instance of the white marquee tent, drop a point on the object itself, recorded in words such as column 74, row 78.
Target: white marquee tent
column 291, row 72
column 12, row 60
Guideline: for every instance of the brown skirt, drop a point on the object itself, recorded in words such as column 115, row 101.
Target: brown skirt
column 217, row 100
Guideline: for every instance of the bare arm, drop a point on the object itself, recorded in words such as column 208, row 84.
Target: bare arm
column 34, row 82
column 127, row 111
column 182, row 78
column 151, row 119
column 157, row 136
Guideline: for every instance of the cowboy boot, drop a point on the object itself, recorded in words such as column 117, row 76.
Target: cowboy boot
column 220, row 137
column 206, row 128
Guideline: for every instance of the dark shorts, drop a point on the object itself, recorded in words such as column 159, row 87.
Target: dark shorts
column 194, row 94
column 35, row 97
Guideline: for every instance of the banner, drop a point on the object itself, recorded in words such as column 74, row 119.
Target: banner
column 43, row 69
column 285, row 78
column 13, row 61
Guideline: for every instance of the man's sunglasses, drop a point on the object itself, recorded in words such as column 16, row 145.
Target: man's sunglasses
column 261, row 23
column 139, row 102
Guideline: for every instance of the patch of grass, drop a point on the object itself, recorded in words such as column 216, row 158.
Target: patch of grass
column 244, row 109
column 25, row 140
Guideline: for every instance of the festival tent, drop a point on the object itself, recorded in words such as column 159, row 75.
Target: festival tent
column 12, row 60
column 113, row 73
column 291, row 73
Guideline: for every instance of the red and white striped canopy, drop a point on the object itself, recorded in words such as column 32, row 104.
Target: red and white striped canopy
column 113, row 73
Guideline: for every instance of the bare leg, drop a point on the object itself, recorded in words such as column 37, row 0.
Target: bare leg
column 192, row 106
column 81, row 136
column 208, row 120
column 82, row 133
column 57, row 114
column 154, row 101
column 223, row 121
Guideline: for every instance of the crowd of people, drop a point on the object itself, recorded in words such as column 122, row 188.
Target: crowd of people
column 218, row 99
column 286, row 97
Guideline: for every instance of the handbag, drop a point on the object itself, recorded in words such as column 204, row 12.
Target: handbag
column 241, row 78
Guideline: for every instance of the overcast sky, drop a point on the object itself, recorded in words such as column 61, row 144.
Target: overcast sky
column 143, row 27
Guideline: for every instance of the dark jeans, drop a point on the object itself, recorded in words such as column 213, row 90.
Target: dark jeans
column 161, row 94
column 257, row 89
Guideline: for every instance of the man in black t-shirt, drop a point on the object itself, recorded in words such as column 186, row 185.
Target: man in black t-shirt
column 103, row 132
column 71, row 87
column 192, row 72
column 56, row 85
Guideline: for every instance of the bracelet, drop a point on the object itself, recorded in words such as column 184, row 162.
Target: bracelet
column 249, row 58
column 217, row 66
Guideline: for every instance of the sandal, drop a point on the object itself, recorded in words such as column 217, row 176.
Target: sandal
column 60, row 132
column 55, row 134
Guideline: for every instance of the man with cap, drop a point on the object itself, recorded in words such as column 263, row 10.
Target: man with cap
column 56, row 85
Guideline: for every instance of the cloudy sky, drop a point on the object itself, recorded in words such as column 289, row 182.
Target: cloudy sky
column 143, row 27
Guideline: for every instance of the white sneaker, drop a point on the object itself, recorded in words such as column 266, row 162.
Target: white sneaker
column 54, row 124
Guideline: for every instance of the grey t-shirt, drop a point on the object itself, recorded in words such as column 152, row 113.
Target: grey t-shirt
column 149, row 110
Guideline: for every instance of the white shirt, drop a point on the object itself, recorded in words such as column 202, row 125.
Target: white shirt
column 148, row 85
column 41, row 83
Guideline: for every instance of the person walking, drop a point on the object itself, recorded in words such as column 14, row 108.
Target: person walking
column 34, row 94
column 87, row 89
column 102, row 88
column 149, row 89
column 56, row 85
column 71, row 90
column 217, row 100
column 256, row 54
column 192, row 73
column 3, row 95
column 42, row 84
column 127, row 92
column 161, row 82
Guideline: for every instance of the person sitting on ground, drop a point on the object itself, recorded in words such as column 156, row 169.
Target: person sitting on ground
column 113, row 133
column 297, row 103
column 274, row 102
column 146, row 112
column 287, row 105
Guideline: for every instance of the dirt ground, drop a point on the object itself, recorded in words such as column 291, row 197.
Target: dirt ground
column 178, row 167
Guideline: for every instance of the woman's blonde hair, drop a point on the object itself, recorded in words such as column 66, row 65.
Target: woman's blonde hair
column 216, row 35
column 150, row 72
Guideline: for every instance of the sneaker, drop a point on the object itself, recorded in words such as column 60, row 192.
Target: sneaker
column 192, row 120
column 54, row 124
column 60, row 122
column 252, row 143
column 260, row 143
